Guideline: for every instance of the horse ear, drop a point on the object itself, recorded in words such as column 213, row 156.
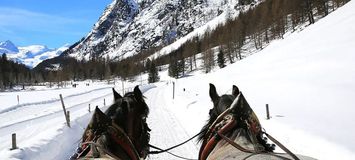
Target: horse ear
column 235, row 91
column 137, row 93
column 213, row 93
column 116, row 95
column 98, row 118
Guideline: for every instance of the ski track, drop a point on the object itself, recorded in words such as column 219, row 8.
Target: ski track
column 166, row 129
column 40, row 109
column 47, row 101
column 54, row 114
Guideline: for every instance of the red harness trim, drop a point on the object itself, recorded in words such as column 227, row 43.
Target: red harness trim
column 212, row 141
column 127, row 147
column 121, row 138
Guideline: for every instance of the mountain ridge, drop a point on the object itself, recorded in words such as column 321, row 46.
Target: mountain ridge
column 128, row 27
column 7, row 47
column 30, row 55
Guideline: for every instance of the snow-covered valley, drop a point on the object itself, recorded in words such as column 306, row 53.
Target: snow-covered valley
column 307, row 79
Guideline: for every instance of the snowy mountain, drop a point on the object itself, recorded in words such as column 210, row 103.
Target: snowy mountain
column 8, row 47
column 30, row 55
column 33, row 50
column 35, row 54
column 127, row 27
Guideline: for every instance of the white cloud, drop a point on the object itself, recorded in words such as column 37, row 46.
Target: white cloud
column 34, row 21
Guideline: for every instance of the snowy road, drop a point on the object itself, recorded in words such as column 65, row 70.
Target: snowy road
column 167, row 131
column 43, row 134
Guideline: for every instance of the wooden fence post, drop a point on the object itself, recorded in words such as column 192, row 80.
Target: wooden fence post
column 89, row 108
column 267, row 112
column 68, row 117
column 14, row 146
column 173, row 90
column 65, row 112
column 104, row 102
column 122, row 87
column 18, row 99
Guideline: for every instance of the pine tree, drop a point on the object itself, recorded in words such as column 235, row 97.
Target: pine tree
column 173, row 68
column 220, row 58
column 181, row 67
column 153, row 75
column 147, row 65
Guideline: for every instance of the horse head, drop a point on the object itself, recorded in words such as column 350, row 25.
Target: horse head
column 130, row 113
column 220, row 104
column 231, row 110
column 119, row 133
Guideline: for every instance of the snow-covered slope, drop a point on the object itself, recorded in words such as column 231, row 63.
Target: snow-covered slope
column 129, row 26
column 307, row 79
column 30, row 55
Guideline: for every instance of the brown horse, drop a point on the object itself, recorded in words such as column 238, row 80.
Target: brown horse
column 234, row 132
column 119, row 133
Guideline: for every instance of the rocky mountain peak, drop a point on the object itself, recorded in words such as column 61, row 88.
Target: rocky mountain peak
column 127, row 27
column 8, row 47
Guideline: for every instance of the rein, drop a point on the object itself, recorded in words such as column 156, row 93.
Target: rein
column 168, row 149
column 281, row 146
column 93, row 145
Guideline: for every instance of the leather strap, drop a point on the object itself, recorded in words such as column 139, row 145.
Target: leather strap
column 235, row 144
column 121, row 138
column 281, row 146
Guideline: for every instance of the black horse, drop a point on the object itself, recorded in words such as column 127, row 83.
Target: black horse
column 119, row 133
column 234, row 131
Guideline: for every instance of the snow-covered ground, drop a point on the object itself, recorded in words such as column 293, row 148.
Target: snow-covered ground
column 307, row 79
column 38, row 120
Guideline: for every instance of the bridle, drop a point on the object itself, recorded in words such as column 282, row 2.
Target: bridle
column 225, row 123
column 142, row 126
column 89, row 148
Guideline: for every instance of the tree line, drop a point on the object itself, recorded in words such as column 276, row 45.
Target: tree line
column 12, row 73
column 253, row 28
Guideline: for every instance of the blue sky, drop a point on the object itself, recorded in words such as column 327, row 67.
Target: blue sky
column 48, row 22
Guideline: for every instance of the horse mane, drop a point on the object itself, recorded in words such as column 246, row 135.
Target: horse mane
column 205, row 128
column 214, row 113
